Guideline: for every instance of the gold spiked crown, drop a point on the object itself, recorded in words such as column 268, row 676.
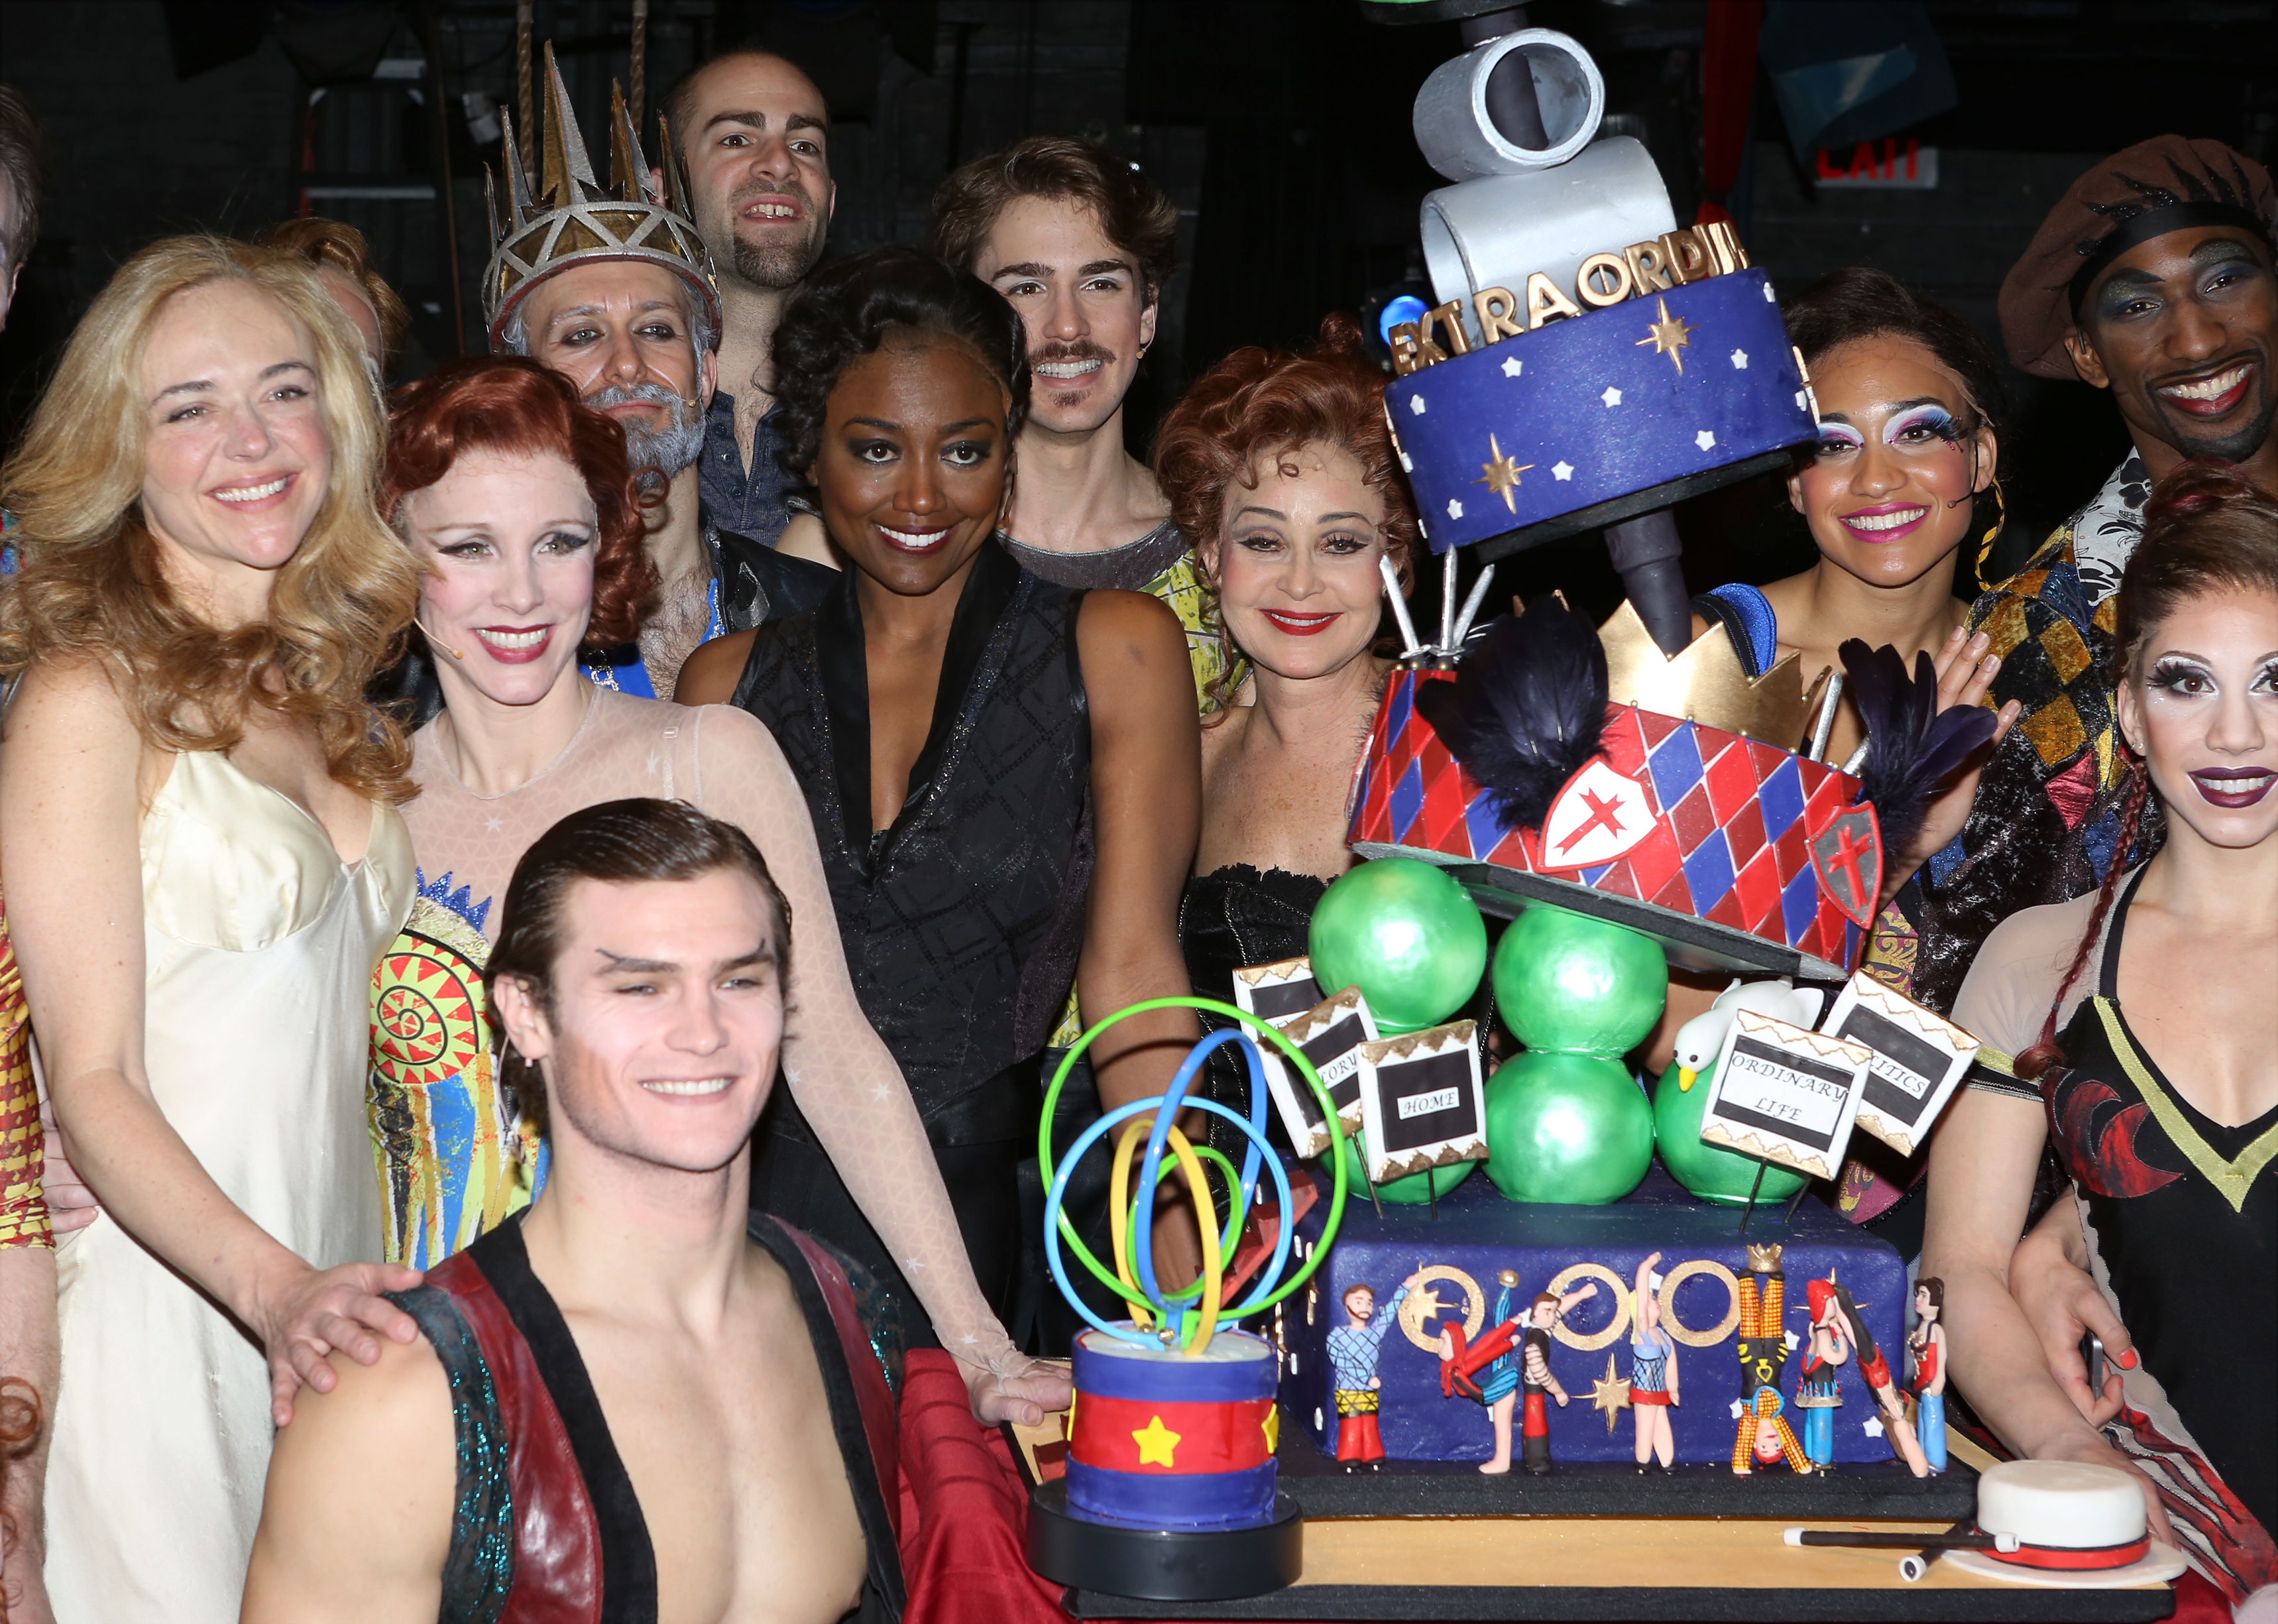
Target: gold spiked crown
column 570, row 218
column 1703, row 682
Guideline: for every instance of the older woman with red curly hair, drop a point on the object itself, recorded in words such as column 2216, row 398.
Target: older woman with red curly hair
column 2134, row 1027
column 1282, row 470
column 520, row 507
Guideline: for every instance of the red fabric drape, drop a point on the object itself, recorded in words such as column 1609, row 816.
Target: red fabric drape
column 1728, row 78
column 964, row 1509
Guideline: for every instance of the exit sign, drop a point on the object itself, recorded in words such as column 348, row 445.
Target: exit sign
column 1889, row 165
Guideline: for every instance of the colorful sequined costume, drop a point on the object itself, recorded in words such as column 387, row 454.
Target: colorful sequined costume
column 23, row 1201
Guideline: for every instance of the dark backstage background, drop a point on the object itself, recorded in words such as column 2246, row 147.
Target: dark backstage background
column 1281, row 128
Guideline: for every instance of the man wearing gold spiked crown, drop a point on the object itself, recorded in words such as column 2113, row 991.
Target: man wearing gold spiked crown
column 611, row 286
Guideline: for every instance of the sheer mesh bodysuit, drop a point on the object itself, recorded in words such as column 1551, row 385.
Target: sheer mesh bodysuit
column 844, row 1081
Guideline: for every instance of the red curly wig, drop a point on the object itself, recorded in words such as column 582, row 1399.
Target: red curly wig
column 1256, row 403
column 509, row 404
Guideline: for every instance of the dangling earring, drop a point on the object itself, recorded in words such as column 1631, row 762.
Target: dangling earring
column 1985, row 544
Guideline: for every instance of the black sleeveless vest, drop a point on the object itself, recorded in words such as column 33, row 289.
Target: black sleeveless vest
column 962, row 921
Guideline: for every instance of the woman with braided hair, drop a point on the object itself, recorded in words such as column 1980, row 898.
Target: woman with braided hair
column 2145, row 1042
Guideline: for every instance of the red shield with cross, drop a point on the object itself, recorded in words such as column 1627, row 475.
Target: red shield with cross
column 1597, row 816
column 1847, row 856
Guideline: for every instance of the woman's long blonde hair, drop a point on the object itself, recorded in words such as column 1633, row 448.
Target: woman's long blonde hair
column 89, row 581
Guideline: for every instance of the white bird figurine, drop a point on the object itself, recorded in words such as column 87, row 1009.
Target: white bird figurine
column 1701, row 1039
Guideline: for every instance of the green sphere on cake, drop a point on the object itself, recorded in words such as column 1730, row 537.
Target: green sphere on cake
column 1572, row 1129
column 1408, row 935
column 1567, row 983
column 1708, row 1171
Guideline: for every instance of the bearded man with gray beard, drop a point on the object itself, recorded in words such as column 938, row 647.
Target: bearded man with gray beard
column 634, row 323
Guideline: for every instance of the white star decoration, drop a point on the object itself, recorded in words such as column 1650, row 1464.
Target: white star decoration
column 1873, row 1427
column 1706, row 439
column 1740, row 359
column 1416, row 404
column 1512, row 366
column 1770, row 296
column 492, row 825
column 1408, row 467
column 882, row 1093
column 1562, row 470
column 1792, row 1341
column 1612, row 397
column 1736, row 1407
column 968, row 1339
column 912, row 1265
column 1455, row 508
column 1799, row 400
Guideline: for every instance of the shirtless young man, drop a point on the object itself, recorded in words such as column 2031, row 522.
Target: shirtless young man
column 625, row 1394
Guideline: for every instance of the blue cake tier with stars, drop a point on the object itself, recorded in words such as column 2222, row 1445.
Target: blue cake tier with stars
column 1598, row 407
column 1429, row 1275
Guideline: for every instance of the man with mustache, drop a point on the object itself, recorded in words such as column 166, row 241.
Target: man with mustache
column 638, row 330
column 2151, row 278
column 754, row 133
column 1080, row 243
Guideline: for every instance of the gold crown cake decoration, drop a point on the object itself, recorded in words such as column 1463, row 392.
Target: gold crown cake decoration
column 1705, row 683
column 571, row 218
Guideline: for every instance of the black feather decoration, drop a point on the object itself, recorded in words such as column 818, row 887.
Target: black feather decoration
column 1525, row 709
column 1912, row 747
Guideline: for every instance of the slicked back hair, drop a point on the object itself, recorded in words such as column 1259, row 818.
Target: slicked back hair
column 618, row 842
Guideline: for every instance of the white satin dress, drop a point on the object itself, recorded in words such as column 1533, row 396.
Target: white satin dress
column 261, row 945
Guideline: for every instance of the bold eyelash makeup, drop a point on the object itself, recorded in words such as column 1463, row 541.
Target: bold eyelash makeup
column 1836, row 437
column 2172, row 674
column 1934, row 418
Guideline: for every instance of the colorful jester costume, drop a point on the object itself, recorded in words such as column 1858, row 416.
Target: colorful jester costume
column 1762, row 1348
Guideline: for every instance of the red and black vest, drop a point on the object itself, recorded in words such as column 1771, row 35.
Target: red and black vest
column 546, row 1528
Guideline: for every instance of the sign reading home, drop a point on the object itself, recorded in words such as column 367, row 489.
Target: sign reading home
column 1918, row 1059
column 1330, row 1035
column 1783, row 1094
column 1420, row 1101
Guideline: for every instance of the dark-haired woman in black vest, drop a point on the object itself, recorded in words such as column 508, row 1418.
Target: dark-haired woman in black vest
column 1003, row 772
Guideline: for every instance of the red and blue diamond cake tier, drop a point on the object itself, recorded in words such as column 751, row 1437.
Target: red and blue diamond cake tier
column 1698, row 838
column 1161, row 1439
column 1653, row 392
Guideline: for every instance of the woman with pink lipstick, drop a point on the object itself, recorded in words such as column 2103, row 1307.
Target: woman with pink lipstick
column 1002, row 772
column 1908, row 403
column 2137, row 1025
column 1281, row 468
column 519, row 506
column 204, row 861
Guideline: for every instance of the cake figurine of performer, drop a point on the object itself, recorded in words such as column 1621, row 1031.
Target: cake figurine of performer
column 1763, row 1436
column 1653, row 1373
column 1536, row 1379
column 1825, row 1350
column 1171, row 1490
column 1484, row 1370
column 1354, row 1348
column 1875, row 1370
column 1926, row 1369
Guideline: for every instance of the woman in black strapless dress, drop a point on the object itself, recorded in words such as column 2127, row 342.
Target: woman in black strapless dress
column 1281, row 468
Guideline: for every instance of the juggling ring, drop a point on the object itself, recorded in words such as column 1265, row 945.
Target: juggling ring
column 1191, row 1331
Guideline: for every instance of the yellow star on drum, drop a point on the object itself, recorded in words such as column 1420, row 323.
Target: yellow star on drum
column 1669, row 336
column 1273, row 1425
column 1155, row 1442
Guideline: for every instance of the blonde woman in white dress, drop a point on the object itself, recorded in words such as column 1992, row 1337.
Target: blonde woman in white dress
column 203, row 861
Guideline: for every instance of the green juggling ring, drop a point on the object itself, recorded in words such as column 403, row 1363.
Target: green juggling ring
column 1290, row 1052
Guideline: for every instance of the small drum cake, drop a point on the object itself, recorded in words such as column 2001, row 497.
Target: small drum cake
column 1167, row 1440
column 2075, row 1525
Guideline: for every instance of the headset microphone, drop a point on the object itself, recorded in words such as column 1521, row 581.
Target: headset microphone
column 433, row 638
